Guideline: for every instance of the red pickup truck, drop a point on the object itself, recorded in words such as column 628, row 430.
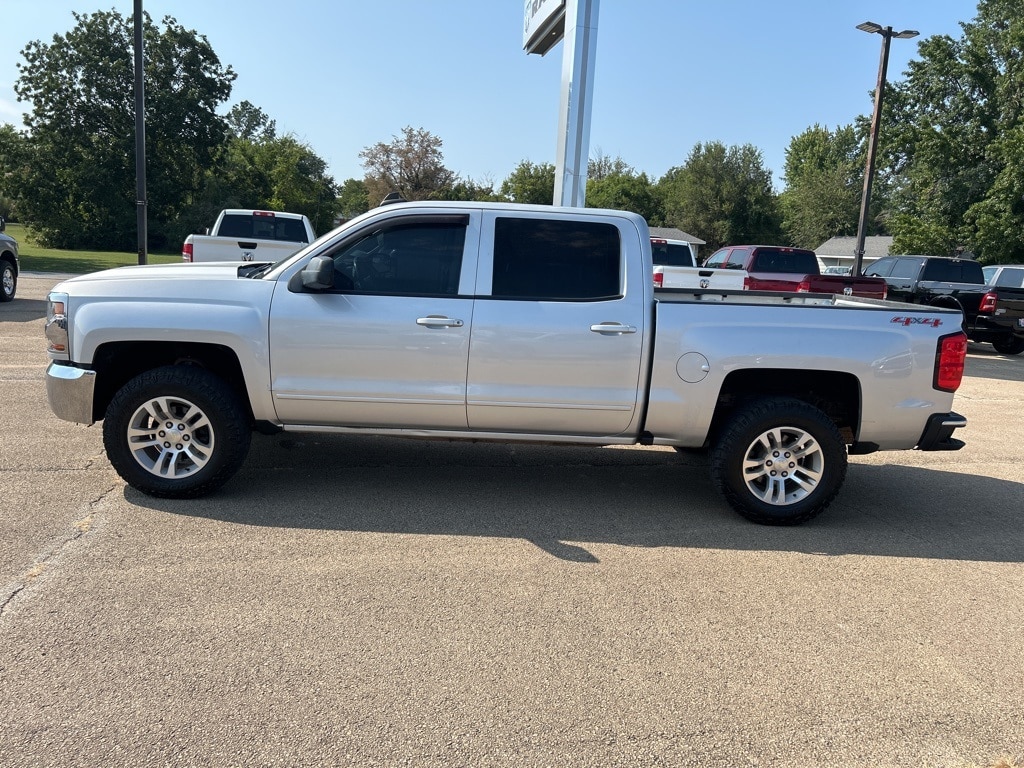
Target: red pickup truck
column 775, row 268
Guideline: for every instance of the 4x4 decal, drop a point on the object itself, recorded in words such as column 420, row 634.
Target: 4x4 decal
column 934, row 322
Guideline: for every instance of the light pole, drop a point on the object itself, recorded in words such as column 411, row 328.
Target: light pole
column 869, row 172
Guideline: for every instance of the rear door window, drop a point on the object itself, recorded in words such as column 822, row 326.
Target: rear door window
column 556, row 260
column 906, row 268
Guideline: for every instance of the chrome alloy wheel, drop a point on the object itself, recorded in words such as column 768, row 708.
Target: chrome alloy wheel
column 170, row 437
column 783, row 465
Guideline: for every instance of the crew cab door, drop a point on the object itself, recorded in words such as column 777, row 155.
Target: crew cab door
column 559, row 325
column 388, row 344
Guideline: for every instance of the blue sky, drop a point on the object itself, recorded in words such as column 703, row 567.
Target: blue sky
column 344, row 74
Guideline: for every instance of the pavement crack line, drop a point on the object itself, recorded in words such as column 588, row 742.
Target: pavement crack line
column 49, row 557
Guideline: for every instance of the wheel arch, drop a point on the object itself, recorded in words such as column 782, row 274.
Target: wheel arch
column 836, row 393
column 116, row 363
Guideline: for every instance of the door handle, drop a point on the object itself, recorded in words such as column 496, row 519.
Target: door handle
column 438, row 321
column 612, row 329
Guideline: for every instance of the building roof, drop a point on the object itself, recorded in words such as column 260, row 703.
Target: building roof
column 875, row 247
column 671, row 233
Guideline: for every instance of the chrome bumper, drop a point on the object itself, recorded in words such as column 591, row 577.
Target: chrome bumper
column 69, row 391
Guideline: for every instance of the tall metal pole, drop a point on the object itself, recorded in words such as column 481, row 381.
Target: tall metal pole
column 577, row 94
column 876, row 119
column 140, row 137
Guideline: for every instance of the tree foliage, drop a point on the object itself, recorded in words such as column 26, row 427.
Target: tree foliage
column 823, row 172
column 13, row 168
column 953, row 139
column 79, row 187
column 411, row 164
column 530, row 183
column 722, row 195
column 628, row 192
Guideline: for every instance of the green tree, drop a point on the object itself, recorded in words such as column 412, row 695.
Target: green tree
column 247, row 121
column 627, row 192
column 352, row 198
column 466, row 189
column 80, row 186
column 952, row 140
column 13, row 168
column 823, row 172
column 722, row 195
column 259, row 169
column 411, row 164
column 530, row 183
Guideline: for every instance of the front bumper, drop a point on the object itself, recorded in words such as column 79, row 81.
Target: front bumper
column 69, row 391
column 938, row 432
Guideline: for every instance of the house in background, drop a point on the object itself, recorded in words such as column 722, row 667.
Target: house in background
column 839, row 251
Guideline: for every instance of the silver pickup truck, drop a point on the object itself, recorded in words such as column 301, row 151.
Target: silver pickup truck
column 498, row 322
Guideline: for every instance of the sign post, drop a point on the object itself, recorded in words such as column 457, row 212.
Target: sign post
column 547, row 22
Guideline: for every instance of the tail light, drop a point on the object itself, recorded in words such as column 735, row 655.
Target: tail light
column 949, row 362
column 659, row 280
column 988, row 304
column 186, row 252
column 804, row 286
column 746, row 283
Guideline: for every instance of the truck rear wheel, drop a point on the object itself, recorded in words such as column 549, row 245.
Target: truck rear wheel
column 779, row 461
column 1010, row 345
column 176, row 432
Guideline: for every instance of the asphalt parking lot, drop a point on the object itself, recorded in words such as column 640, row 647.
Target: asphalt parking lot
column 371, row 602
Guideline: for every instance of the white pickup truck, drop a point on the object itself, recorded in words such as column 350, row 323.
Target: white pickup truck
column 244, row 234
column 499, row 322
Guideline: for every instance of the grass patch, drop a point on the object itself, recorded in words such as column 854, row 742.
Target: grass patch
column 36, row 258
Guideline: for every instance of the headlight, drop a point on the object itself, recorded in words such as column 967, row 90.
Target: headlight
column 57, row 326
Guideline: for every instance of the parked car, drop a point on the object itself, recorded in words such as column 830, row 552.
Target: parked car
column 9, row 265
column 775, row 268
column 939, row 281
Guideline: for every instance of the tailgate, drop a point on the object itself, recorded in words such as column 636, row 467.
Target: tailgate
column 845, row 285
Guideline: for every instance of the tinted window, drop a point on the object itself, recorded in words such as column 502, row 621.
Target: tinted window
column 419, row 259
column 262, row 228
column 953, row 271
column 880, row 268
column 738, row 258
column 549, row 259
column 906, row 268
column 784, row 260
column 671, row 255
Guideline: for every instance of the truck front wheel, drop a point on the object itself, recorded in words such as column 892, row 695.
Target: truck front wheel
column 176, row 432
column 779, row 461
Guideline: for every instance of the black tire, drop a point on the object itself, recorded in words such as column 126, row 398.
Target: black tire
column 8, row 281
column 176, row 432
column 779, row 461
column 1009, row 345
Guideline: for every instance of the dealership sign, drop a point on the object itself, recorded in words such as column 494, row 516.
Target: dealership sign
column 543, row 24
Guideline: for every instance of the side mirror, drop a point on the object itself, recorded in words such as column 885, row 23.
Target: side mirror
column 318, row 275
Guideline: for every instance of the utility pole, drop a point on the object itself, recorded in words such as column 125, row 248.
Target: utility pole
column 140, row 136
